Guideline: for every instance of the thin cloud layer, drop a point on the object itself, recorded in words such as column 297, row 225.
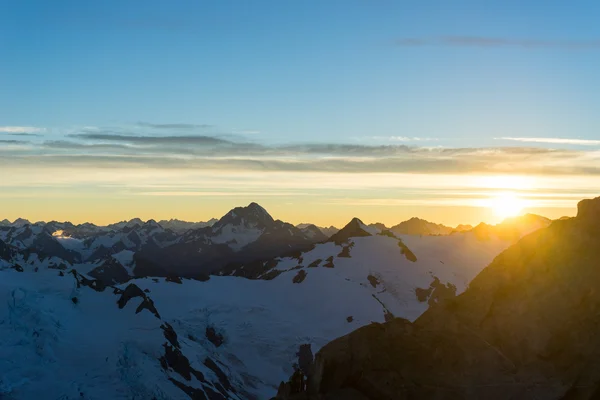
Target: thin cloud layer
column 2, row 141
column 24, row 134
column 124, row 149
column 498, row 42
column 581, row 142
column 182, row 140
column 20, row 129
column 305, row 159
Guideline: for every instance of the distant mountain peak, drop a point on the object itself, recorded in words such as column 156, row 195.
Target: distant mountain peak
column 354, row 228
column 419, row 226
column 21, row 222
column 252, row 214
column 312, row 231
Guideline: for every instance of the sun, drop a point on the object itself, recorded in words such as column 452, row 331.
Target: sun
column 506, row 205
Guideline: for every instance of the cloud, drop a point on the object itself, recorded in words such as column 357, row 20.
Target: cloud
column 20, row 129
column 182, row 140
column 335, row 149
column 13, row 142
column 582, row 142
column 498, row 42
column 174, row 126
column 121, row 149
column 25, row 134
column 68, row 145
column 405, row 160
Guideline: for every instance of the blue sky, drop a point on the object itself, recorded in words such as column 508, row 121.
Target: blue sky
column 302, row 70
column 278, row 74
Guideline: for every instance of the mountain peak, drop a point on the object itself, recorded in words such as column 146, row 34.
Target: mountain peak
column 19, row 222
column 419, row 226
column 354, row 228
column 253, row 214
column 312, row 231
column 152, row 224
column 255, row 207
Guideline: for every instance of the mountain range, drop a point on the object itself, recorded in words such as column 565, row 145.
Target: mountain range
column 135, row 248
column 137, row 310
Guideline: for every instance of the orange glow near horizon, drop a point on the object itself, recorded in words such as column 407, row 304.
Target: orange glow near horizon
column 102, row 196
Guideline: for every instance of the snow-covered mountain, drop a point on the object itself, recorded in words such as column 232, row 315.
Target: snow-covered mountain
column 243, row 234
column 221, row 337
column 140, row 248
column 228, row 335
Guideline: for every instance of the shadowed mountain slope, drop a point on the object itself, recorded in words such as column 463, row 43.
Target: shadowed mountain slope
column 528, row 327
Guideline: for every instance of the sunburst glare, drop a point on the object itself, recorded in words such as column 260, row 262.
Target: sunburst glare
column 506, row 205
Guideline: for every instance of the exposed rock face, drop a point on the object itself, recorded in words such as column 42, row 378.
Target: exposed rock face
column 6, row 252
column 133, row 291
column 214, row 337
column 110, row 273
column 300, row 276
column 528, row 327
column 406, row 252
column 588, row 213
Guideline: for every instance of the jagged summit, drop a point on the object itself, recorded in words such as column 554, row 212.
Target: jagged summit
column 327, row 231
column 21, row 222
column 379, row 225
column 313, row 232
column 252, row 214
column 354, row 228
column 419, row 226
column 463, row 228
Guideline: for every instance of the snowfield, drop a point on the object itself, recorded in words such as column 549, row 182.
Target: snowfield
column 55, row 347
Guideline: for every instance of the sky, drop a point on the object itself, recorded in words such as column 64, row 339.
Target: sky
column 318, row 110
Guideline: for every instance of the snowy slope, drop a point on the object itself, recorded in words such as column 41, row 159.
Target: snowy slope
column 265, row 321
column 235, row 337
column 55, row 347
column 106, row 352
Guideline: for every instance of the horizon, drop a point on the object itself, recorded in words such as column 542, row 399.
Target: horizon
column 216, row 218
column 457, row 113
